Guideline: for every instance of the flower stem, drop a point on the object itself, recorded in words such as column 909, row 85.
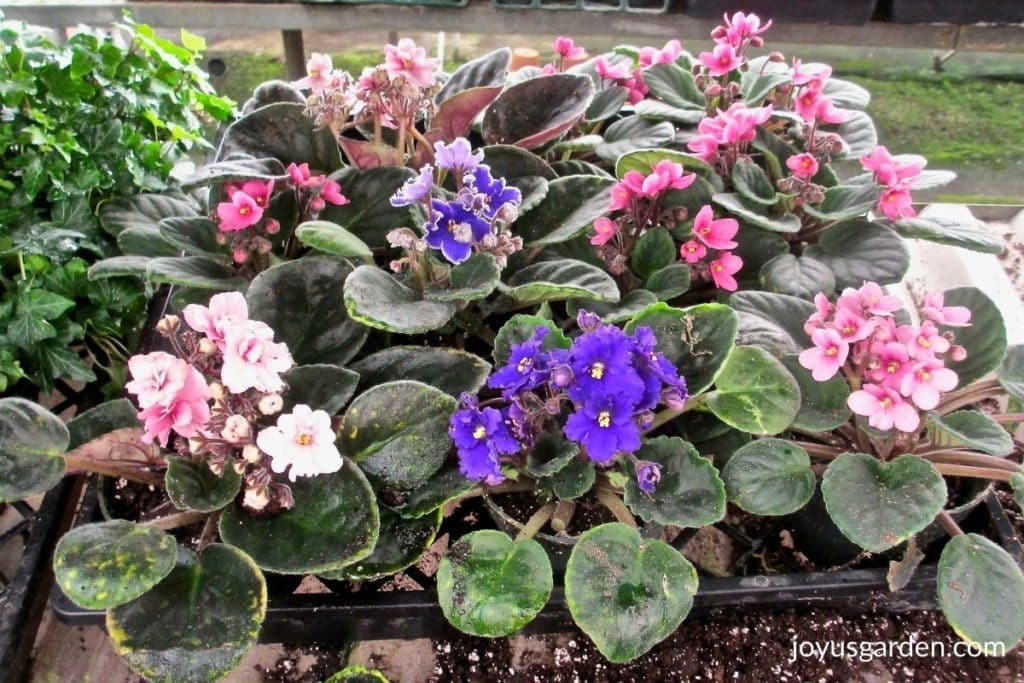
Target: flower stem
column 819, row 450
column 668, row 415
column 77, row 464
column 177, row 520
column 972, row 472
column 956, row 457
column 1008, row 418
column 970, row 395
column 949, row 524
column 617, row 507
column 563, row 515
column 536, row 522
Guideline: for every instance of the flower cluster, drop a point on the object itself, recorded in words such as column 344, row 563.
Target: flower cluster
column 218, row 391
column 896, row 176
column 629, row 74
column 603, row 390
column 896, row 370
column 732, row 40
column 723, row 138
column 638, row 198
column 472, row 221
column 244, row 214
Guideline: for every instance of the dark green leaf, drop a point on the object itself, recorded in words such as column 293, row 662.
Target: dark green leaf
column 859, row 251
column 632, row 133
column 754, row 392
column 284, row 132
column 375, row 298
column 485, row 71
column 191, row 485
column 674, row 86
column 197, row 272
column 689, row 494
column 331, row 238
column 845, row 201
column 320, row 386
column 537, row 110
column 1011, row 372
column 756, row 215
column 653, row 251
column 970, row 429
column 571, row 205
column 752, row 183
column 32, row 445
column 450, row 370
column 520, row 328
column 985, row 339
column 400, row 544
column 822, row 404
column 473, row 279
column 769, row 477
column 369, row 214
column 619, row 312
column 669, row 282
column 561, row 279
column 141, row 211
column 799, row 276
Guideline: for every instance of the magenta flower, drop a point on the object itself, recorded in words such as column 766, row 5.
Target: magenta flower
column 739, row 123
column 896, row 203
column 811, row 75
column 621, row 195
column 226, row 311
column 692, row 251
column 252, row 360
column 874, row 300
column 605, row 229
column 318, row 73
column 330, row 192
column 884, row 408
column 650, row 56
column 721, row 60
column 822, row 310
column 926, row 381
column 890, row 362
column 950, row 316
column 612, row 72
column 299, row 174
column 724, row 268
column 566, row 48
column 922, row 342
column 852, row 326
column 812, row 105
column 716, row 234
column 803, row 166
column 666, row 175
column 303, row 441
column 828, row 355
column 704, row 147
column 889, row 170
column 238, row 214
column 409, row 61
column 257, row 189
column 741, row 27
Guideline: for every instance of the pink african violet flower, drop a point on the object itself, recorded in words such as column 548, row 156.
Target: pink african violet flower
column 922, row 342
column 704, row 147
column 318, row 73
column 888, row 170
column 612, row 72
column 852, row 326
column 896, row 203
column 803, row 166
column 258, row 190
column 299, row 173
column 650, row 56
column 884, row 408
column 548, row 69
column 890, row 362
column 721, row 60
column 925, row 381
column 664, row 175
column 741, row 26
column 605, row 231
column 811, row 75
column 252, row 360
column 741, row 122
column 621, row 196
column 827, row 356
column 935, row 309
column 156, row 377
column 692, row 251
column 302, row 440
column 566, row 48
column 723, row 268
column 822, row 310
column 238, row 214
column 330, row 191
column 409, row 61
column 811, row 105
column 874, row 300
column 716, row 234
column 225, row 311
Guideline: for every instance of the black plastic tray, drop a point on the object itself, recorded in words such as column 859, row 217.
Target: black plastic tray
column 368, row 614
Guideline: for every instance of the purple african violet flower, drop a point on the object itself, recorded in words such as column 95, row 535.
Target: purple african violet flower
column 602, row 363
column 648, row 474
column 416, row 189
column 492, row 192
column 454, row 230
column 605, row 427
column 458, row 156
column 481, row 437
column 526, row 368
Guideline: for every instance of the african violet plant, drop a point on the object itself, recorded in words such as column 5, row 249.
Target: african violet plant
column 892, row 405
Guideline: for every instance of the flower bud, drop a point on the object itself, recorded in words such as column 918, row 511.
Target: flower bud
column 682, row 214
column 588, row 321
column 648, row 474
column 271, row 404
column 673, row 398
column 240, row 254
column 252, row 453
column 553, row 406
column 221, row 238
column 272, row 226
column 236, row 429
column 195, row 445
column 217, row 391
column 256, row 498
column 561, row 376
column 957, row 353
column 238, row 466
column 207, row 347
column 317, row 204
column 776, row 56
column 644, row 419
column 263, row 245
column 168, row 325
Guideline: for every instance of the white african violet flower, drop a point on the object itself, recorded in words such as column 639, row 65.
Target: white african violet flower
column 303, row 440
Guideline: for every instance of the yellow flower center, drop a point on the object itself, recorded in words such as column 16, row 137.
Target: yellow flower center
column 718, row 268
column 925, row 375
column 304, row 439
column 924, row 342
column 892, row 367
column 480, row 432
column 885, row 403
column 244, row 211
column 597, row 370
column 831, row 351
column 848, row 330
column 524, row 365
column 604, row 419
column 314, row 73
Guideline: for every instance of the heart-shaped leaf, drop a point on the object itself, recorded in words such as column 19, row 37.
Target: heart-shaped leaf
column 473, row 279
column 198, row 622
column 520, row 328
column 331, row 238
column 119, row 266
column 859, row 134
column 320, row 386
column 334, row 523
column 696, row 339
column 550, row 455
column 284, row 132
column 847, row 95
column 799, row 276
column 369, row 214
column 950, row 229
column 754, row 392
column 822, row 404
column 627, row 593
column 32, row 445
column 577, row 167
column 619, row 312
column 659, row 111
column 509, row 162
column 450, row 370
column 845, row 201
column 400, row 544
column 569, row 482
column 239, row 168
column 195, row 235
column 103, row 419
column 859, row 251
column 632, row 133
column 302, row 302
column 646, row 159
column 141, row 211
column 756, row 89
column 787, row 313
column 375, row 298
column 398, row 432
column 769, row 477
column 482, row 72
column 756, row 215
column 191, row 485
column 537, row 110
column 674, row 86
column 445, row 485
column 145, row 242
column 984, row 340
column 108, row 564
column 489, row 585
column 455, row 116
column 560, row 279
column 198, row 272
column 972, row 429
column 752, row 183
column 1011, row 372
column 879, row 505
column 689, row 493
column 756, row 331
column 606, row 104
column 357, row 674
column 653, row 251
column 757, row 247
column 570, row 207
column 669, row 282
column 981, row 592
